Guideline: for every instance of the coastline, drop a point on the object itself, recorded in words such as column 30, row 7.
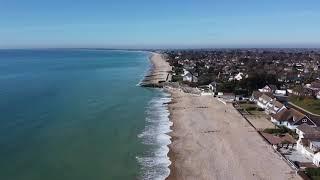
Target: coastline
column 159, row 134
column 158, row 72
column 211, row 140
column 154, row 162
column 202, row 133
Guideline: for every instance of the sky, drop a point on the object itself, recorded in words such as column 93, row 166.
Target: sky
column 159, row 23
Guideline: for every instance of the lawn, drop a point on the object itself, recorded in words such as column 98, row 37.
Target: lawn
column 313, row 173
column 251, row 108
column 310, row 104
column 280, row 131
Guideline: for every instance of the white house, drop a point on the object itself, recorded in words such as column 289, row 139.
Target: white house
column 318, row 95
column 213, row 86
column 263, row 100
column 309, row 142
column 274, row 107
column 268, row 88
column 189, row 77
column 316, row 159
column 239, row 76
column 281, row 92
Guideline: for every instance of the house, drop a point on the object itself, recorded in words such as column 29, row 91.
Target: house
column 304, row 130
column 313, row 88
column 190, row 78
column 263, row 100
column 291, row 118
column 281, row 92
column 310, row 147
column 309, row 142
column 302, row 91
column 239, row 76
column 315, row 85
column 255, row 96
column 213, row 86
column 316, row 159
column 274, row 107
column 268, row 88
column 187, row 77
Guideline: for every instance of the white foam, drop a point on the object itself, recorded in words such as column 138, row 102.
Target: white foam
column 155, row 164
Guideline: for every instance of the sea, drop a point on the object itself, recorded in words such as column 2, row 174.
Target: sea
column 80, row 114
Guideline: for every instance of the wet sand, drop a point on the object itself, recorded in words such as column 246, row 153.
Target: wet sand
column 213, row 141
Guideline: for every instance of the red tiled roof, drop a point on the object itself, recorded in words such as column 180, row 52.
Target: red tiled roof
column 274, row 140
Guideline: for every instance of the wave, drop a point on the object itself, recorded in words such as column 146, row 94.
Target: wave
column 155, row 163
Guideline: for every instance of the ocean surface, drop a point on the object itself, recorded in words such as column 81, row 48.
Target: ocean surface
column 79, row 115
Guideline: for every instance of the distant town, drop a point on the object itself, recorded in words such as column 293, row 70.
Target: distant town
column 276, row 90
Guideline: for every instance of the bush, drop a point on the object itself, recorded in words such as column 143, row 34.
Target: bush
column 280, row 130
column 251, row 108
column 274, row 131
column 177, row 78
column 314, row 173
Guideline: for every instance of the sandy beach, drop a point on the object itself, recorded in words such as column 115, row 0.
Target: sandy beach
column 213, row 141
column 159, row 71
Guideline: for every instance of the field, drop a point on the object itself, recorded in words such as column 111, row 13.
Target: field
column 310, row 104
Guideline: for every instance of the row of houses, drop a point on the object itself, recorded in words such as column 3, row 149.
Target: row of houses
column 309, row 134
column 280, row 114
column 312, row 90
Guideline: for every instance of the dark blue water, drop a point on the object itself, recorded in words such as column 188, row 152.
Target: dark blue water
column 76, row 114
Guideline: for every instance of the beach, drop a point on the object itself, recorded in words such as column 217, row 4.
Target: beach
column 211, row 140
column 159, row 71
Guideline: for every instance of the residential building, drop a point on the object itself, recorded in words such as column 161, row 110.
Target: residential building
column 309, row 142
column 274, row 107
column 291, row 118
column 268, row 89
column 188, row 77
column 318, row 95
column 263, row 100
column 255, row 96
column 213, row 86
column 281, row 92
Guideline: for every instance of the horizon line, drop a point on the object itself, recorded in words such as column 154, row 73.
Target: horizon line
column 170, row 48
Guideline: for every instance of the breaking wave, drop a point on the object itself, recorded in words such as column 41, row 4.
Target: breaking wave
column 155, row 162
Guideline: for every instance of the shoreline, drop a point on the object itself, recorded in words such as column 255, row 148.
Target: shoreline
column 156, row 75
column 202, row 133
column 211, row 140
column 155, row 162
column 158, row 72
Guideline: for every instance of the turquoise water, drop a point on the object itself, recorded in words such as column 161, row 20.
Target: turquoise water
column 79, row 114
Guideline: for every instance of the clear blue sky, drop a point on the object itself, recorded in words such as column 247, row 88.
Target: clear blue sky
column 159, row 23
